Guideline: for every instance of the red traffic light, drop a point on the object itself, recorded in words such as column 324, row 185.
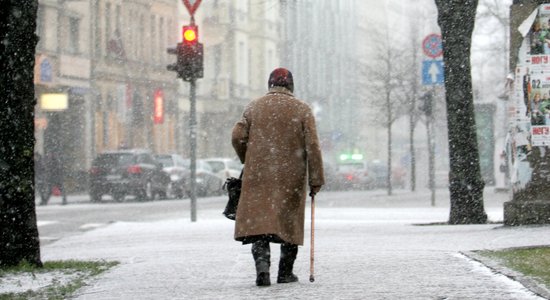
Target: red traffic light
column 190, row 34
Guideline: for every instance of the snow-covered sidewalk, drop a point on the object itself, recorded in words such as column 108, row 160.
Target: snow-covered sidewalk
column 361, row 252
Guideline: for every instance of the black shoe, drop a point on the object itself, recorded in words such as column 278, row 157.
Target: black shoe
column 261, row 254
column 287, row 278
column 286, row 263
column 263, row 279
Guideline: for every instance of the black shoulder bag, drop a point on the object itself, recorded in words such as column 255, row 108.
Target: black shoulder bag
column 233, row 187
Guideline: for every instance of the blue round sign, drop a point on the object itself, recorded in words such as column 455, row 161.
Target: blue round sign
column 432, row 46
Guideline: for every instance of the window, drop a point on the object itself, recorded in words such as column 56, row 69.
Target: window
column 161, row 31
column 243, row 59
column 118, row 19
column 97, row 39
column 74, row 35
column 233, row 164
column 217, row 166
column 145, row 159
column 154, row 37
column 141, row 37
column 107, row 25
column 40, row 27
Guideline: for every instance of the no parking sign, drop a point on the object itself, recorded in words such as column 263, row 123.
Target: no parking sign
column 432, row 46
column 432, row 69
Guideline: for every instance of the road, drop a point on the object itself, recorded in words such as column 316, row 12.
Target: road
column 56, row 221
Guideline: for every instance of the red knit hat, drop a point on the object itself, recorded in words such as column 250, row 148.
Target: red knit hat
column 281, row 77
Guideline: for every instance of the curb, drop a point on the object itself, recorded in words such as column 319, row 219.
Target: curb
column 528, row 282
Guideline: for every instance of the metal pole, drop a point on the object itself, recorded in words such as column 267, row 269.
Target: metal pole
column 431, row 144
column 193, row 143
column 431, row 159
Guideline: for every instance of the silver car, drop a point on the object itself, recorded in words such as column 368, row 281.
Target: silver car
column 174, row 165
column 225, row 167
column 208, row 183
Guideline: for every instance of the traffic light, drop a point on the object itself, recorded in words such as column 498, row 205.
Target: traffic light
column 426, row 103
column 189, row 64
column 190, row 34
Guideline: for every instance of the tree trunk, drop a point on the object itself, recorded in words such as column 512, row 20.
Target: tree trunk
column 456, row 19
column 18, row 230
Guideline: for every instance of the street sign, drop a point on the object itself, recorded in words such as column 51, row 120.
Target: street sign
column 432, row 46
column 432, row 72
column 192, row 5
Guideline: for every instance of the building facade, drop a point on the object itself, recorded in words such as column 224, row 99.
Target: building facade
column 323, row 48
column 108, row 57
column 63, row 66
column 242, row 45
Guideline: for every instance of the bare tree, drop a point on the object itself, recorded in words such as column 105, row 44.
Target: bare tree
column 18, row 230
column 412, row 93
column 456, row 19
column 492, row 20
column 386, row 87
column 496, row 9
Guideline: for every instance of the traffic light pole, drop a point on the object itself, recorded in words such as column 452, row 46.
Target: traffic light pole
column 189, row 67
column 193, row 143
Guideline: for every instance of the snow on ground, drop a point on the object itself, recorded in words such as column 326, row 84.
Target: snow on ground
column 376, row 248
column 23, row 282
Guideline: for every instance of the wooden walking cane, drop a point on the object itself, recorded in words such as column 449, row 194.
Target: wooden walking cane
column 311, row 259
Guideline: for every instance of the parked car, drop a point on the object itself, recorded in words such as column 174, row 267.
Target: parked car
column 175, row 167
column 353, row 175
column 208, row 183
column 225, row 167
column 127, row 172
column 332, row 178
column 399, row 177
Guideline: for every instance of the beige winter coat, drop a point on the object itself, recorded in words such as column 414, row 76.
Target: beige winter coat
column 277, row 141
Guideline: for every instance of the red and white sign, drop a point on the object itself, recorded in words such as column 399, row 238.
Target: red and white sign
column 192, row 6
column 540, row 135
column 158, row 108
column 432, row 45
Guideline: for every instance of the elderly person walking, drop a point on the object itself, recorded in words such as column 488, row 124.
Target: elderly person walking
column 277, row 141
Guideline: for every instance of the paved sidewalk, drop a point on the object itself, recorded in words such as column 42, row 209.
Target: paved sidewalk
column 369, row 251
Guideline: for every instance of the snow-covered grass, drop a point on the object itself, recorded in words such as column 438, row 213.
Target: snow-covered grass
column 55, row 280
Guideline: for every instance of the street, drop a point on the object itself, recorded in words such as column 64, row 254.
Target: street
column 56, row 221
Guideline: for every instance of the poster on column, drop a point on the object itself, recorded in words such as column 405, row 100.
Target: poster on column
column 540, row 135
column 532, row 84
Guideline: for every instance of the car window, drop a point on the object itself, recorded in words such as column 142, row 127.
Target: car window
column 233, row 164
column 165, row 160
column 179, row 161
column 187, row 163
column 216, row 166
column 351, row 167
column 378, row 169
column 145, row 159
column 111, row 160
column 204, row 166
